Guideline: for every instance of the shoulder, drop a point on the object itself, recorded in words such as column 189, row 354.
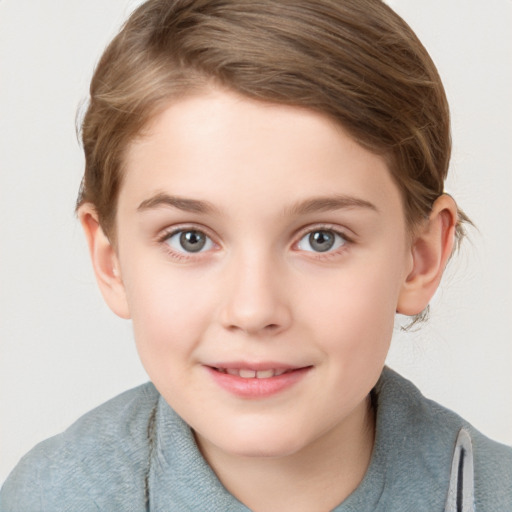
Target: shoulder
column 105, row 450
column 429, row 431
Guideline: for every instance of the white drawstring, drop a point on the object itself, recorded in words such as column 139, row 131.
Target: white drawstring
column 461, row 493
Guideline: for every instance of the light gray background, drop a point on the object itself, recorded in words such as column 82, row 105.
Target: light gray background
column 62, row 352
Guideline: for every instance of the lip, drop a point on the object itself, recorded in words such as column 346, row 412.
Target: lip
column 256, row 387
column 256, row 366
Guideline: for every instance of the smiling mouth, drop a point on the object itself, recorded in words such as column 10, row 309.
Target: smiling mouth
column 256, row 381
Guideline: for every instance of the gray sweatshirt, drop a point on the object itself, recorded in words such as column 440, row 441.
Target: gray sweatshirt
column 134, row 453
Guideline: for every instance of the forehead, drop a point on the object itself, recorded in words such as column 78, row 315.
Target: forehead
column 227, row 149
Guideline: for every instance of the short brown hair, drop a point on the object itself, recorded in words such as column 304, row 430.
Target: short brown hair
column 354, row 60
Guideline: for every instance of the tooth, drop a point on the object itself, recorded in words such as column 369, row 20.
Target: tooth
column 279, row 372
column 232, row 371
column 264, row 374
column 247, row 374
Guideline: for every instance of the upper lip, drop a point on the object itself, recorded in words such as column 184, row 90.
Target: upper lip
column 255, row 366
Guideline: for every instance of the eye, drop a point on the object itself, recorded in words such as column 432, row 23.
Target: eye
column 321, row 240
column 190, row 241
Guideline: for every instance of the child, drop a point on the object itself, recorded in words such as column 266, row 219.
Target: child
column 263, row 192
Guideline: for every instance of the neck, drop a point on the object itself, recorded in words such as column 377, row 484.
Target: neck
column 317, row 477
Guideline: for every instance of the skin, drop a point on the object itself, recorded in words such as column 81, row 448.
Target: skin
column 261, row 178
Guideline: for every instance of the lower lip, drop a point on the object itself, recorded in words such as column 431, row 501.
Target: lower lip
column 257, row 388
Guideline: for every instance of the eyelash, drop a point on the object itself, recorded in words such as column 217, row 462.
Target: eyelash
column 184, row 256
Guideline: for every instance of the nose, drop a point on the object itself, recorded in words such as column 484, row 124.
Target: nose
column 255, row 299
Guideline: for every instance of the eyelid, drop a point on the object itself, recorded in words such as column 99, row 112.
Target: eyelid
column 346, row 233
column 167, row 232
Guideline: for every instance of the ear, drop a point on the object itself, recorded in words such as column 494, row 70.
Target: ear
column 431, row 248
column 104, row 261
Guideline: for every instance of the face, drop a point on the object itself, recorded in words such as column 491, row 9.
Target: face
column 262, row 253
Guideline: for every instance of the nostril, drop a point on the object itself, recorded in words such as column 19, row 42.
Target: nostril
column 270, row 328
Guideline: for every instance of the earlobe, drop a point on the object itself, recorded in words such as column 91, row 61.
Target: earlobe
column 105, row 261
column 430, row 251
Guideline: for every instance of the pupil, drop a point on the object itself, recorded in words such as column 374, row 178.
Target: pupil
column 192, row 241
column 321, row 241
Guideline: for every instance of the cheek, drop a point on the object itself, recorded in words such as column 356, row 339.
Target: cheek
column 169, row 309
column 354, row 315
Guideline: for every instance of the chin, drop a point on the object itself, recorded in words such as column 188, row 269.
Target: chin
column 262, row 443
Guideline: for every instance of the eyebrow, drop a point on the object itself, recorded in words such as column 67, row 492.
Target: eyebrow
column 313, row 205
column 330, row 203
column 182, row 203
